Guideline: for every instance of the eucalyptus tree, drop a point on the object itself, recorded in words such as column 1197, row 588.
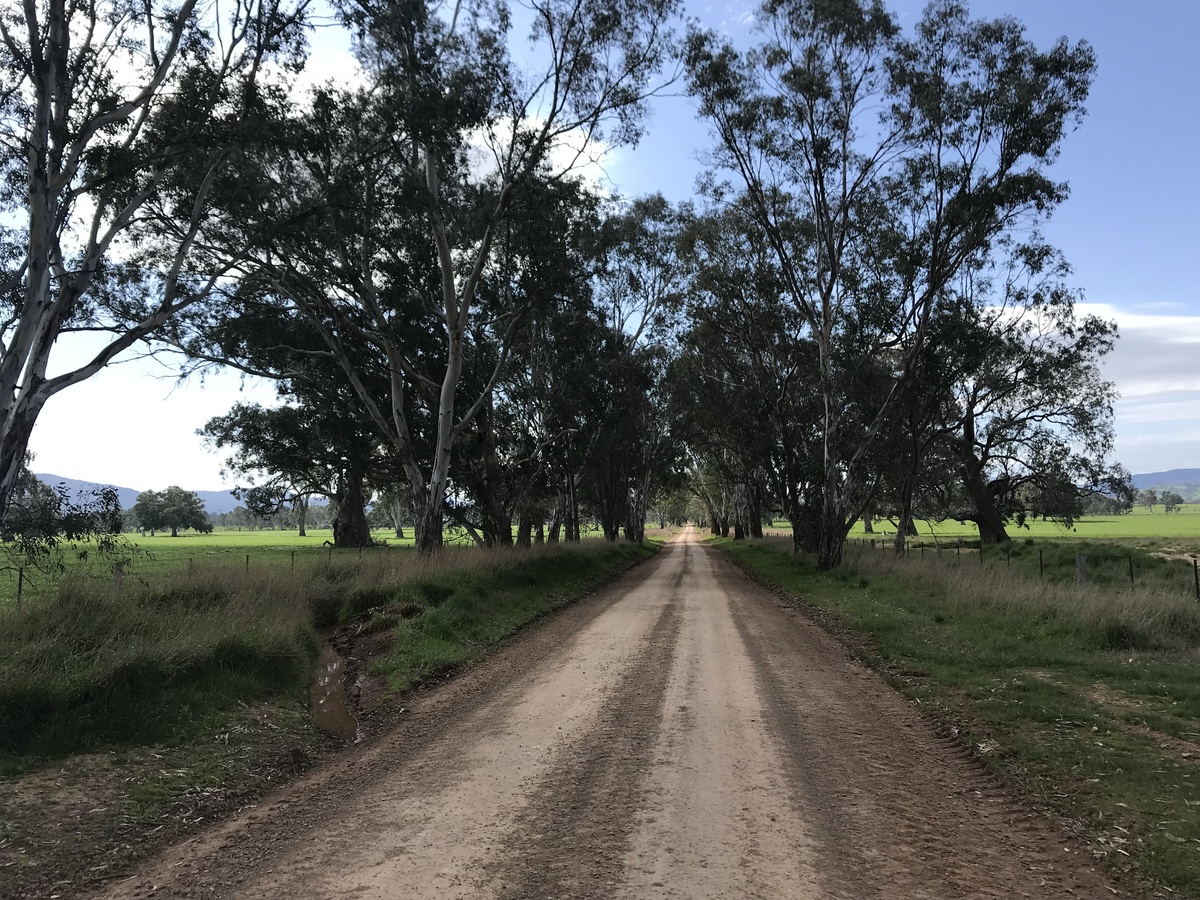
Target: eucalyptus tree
column 638, row 291
column 298, row 450
column 172, row 508
column 317, row 441
column 543, row 263
column 116, row 118
column 47, row 527
column 745, row 379
column 879, row 168
column 558, row 403
column 400, row 193
column 1026, row 407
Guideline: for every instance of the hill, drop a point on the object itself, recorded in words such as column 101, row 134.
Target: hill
column 215, row 502
column 1185, row 482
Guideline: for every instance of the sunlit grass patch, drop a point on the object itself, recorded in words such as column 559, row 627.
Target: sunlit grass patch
column 462, row 616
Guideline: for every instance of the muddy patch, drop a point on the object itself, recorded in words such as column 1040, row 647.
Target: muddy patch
column 327, row 695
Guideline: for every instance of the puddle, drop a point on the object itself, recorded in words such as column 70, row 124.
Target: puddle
column 327, row 695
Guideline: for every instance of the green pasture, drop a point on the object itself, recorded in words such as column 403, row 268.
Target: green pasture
column 1140, row 524
column 146, row 559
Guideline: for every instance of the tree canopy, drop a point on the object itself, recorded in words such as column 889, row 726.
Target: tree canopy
column 855, row 316
column 173, row 508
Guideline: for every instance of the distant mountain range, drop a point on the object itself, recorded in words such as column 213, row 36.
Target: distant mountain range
column 215, row 502
column 1184, row 482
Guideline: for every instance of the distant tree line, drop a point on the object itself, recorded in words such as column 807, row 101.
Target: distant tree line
column 856, row 317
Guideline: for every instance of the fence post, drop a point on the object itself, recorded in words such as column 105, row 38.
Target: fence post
column 293, row 560
column 1080, row 569
column 247, row 562
column 20, row 584
column 1007, row 558
column 1041, row 564
column 1131, row 570
column 1196, row 576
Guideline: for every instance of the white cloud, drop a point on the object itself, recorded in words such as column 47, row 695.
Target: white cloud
column 1156, row 367
column 133, row 426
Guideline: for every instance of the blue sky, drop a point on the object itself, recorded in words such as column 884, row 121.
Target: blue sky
column 1130, row 228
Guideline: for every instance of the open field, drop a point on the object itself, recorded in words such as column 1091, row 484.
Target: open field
column 148, row 559
column 1176, row 533
column 1140, row 526
column 1087, row 697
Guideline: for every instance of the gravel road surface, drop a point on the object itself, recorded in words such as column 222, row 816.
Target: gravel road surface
column 681, row 734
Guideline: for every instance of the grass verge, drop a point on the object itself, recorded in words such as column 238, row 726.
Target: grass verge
column 129, row 718
column 1086, row 697
column 445, row 617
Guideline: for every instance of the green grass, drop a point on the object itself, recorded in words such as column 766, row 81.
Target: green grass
column 1140, row 525
column 443, row 622
column 1088, row 697
column 158, row 658
column 147, row 663
column 150, row 559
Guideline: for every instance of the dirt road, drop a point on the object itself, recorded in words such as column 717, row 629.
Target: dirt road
column 680, row 734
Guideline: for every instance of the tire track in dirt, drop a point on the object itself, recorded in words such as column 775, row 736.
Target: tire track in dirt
column 570, row 840
column 419, row 814
column 681, row 735
column 903, row 813
column 717, row 817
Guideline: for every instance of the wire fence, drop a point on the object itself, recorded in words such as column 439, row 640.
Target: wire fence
column 24, row 584
column 1108, row 566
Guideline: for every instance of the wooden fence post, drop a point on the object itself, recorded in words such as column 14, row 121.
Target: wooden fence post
column 1080, row 569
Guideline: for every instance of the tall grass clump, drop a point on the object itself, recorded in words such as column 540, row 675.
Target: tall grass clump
column 1156, row 612
column 148, row 661
column 450, row 609
column 157, row 657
